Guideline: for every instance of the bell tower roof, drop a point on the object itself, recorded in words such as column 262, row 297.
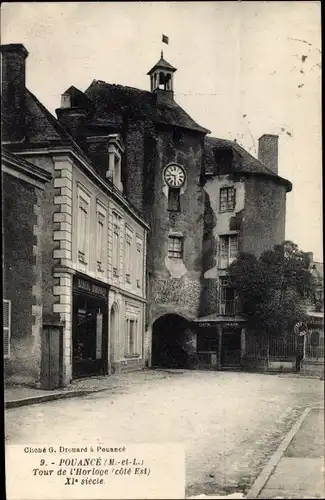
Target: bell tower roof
column 162, row 64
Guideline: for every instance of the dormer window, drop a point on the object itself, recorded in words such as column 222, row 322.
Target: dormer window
column 115, row 151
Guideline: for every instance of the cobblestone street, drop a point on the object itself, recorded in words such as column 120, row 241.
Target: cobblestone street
column 229, row 423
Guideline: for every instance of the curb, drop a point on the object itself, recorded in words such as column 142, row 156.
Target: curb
column 44, row 398
column 264, row 476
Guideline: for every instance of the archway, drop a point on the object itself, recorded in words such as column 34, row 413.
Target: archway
column 171, row 342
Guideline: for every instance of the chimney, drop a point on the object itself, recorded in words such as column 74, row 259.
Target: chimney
column 268, row 151
column 73, row 110
column 13, row 88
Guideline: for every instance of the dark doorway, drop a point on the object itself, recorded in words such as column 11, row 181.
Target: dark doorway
column 170, row 347
column 90, row 336
column 231, row 348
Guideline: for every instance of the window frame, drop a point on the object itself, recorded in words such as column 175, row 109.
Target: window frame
column 139, row 262
column 228, row 256
column 172, row 251
column 116, row 243
column 132, row 350
column 224, row 285
column 228, row 199
column 101, row 219
column 174, row 204
column 84, row 205
column 128, row 260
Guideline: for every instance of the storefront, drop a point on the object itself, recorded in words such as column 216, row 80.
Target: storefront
column 89, row 327
column 220, row 342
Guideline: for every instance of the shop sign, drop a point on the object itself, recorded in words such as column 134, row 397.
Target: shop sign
column 83, row 284
column 217, row 323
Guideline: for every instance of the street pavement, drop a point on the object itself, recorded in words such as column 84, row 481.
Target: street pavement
column 300, row 470
column 229, row 423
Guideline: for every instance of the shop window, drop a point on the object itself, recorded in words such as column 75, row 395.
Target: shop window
column 228, row 249
column 174, row 204
column 227, row 199
column 207, row 340
column 175, row 247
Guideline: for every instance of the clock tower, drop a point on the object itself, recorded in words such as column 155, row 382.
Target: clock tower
column 174, row 205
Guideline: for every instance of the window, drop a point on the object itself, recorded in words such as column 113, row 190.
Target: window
column 174, row 199
column 6, row 327
column 116, row 244
column 227, row 297
column 228, row 249
column 131, row 337
column 83, row 229
column 175, row 247
column 128, row 256
column 117, row 170
column 139, row 264
column 227, row 199
column 100, row 240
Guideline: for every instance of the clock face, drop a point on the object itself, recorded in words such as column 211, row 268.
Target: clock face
column 174, row 176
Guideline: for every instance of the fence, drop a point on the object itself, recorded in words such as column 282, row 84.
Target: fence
column 315, row 352
column 280, row 348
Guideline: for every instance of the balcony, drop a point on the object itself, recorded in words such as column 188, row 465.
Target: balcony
column 228, row 308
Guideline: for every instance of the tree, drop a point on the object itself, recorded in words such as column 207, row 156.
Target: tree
column 272, row 288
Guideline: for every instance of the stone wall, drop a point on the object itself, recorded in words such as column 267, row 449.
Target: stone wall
column 263, row 217
column 175, row 285
column 22, row 277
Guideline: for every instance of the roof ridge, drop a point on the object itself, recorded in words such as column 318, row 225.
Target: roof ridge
column 102, row 82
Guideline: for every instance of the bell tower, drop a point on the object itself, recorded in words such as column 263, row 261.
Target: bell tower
column 162, row 75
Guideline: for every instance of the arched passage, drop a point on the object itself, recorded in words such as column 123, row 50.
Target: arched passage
column 171, row 342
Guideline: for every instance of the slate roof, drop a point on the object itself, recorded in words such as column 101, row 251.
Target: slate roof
column 40, row 125
column 244, row 161
column 112, row 103
column 162, row 63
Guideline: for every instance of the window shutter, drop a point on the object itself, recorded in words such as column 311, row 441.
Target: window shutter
column 6, row 327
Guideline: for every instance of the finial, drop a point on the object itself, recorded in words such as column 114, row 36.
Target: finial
column 162, row 55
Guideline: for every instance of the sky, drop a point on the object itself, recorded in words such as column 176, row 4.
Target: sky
column 243, row 69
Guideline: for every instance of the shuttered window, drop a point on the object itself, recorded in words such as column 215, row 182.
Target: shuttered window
column 6, row 327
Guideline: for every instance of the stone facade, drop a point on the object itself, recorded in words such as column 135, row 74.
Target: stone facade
column 22, row 256
column 164, row 249
column 157, row 133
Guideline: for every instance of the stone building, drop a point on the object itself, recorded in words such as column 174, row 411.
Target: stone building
column 205, row 199
column 74, row 246
column 23, row 186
